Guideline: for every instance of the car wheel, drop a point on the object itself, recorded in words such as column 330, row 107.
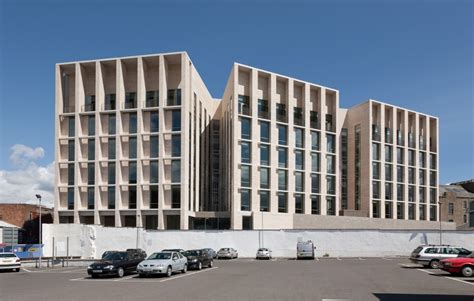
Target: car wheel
column 185, row 268
column 434, row 264
column 120, row 272
column 467, row 271
column 17, row 270
column 169, row 271
column 199, row 265
column 211, row 263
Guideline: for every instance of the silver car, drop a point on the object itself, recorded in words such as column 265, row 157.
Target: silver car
column 229, row 253
column 163, row 263
column 9, row 261
column 431, row 255
column 264, row 253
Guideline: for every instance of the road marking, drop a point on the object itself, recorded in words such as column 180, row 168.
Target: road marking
column 408, row 265
column 317, row 258
column 428, row 272
column 360, row 258
column 460, row 280
column 384, row 258
column 26, row 270
column 190, row 274
column 125, row 278
column 73, row 271
column 339, row 258
column 76, row 279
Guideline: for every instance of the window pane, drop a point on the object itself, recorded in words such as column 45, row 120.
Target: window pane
column 331, row 184
column 388, row 172
column 245, row 128
column 331, row 205
column 245, row 176
column 132, row 123
column 299, row 142
column 331, row 164
column 376, row 170
column 111, row 173
column 70, row 174
column 112, row 124
column 375, row 151
column 314, row 140
column 132, row 152
column 91, row 125
column 264, row 155
column 264, row 201
column 264, row 131
column 315, row 204
column 91, row 149
column 71, row 127
column 176, row 145
column 315, row 162
column 71, row 150
column 388, row 153
column 154, row 147
column 282, row 202
column 176, row 120
column 111, row 149
column 111, row 198
column 70, row 198
column 90, row 174
column 282, row 180
column 175, row 197
column 264, row 178
column 90, row 198
column 282, row 157
column 331, row 143
column 153, row 197
column 245, row 200
column 299, row 186
column 175, row 171
column 153, row 171
column 400, row 157
column 299, row 203
column 132, row 173
column 282, row 135
column 154, row 122
column 314, row 183
column 245, row 151
column 299, row 159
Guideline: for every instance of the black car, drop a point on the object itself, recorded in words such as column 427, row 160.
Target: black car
column 212, row 252
column 197, row 259
column 116, row 264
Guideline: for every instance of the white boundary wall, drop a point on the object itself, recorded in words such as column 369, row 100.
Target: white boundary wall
column 90, row 241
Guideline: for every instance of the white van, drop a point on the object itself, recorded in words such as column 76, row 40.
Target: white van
column 305, row 249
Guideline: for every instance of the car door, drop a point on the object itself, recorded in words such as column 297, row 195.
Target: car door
column 175, row 261
column 182, row 260
column 205, row 258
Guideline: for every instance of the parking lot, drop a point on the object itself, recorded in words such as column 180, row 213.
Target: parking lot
column 249, row 279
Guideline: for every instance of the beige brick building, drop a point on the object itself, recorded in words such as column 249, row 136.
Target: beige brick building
column 141, row 142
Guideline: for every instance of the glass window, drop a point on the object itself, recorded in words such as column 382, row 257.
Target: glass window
column 282, row 135
column 299, row 203
column 450, row 208
column 263, row 108
column 90, row 174
column 388, row 191
column 153, row 197
column 411, row 157
column 282, row 180
column 400, row 155
column 315, row 162
column 246, row 132
column 70, row 174
column 400, row 192
column 176, row 145
column 175, row 171
column 154, row 171
column 331, row 164
column 282, row 202
column 132, row 148
column 154, row 122
column 331, row 184
column 388, row 172
column 264, row 201
column 376, row 209
column 70, row 198
column 132, row 123
column 421, row 177
column 411, row 211
column 111, row 173
column 245, row 175
column 245, row 200
column 388, row 153
column 71, row 127
column 111, row 149
column 264, row 154
column 264, row 178
column 411, row 175
column 243, row 105
column 264, row 131
column 331, row 143
column 432, row 161
column 91, row 126
column 314, row 119
column 132, row 173
column 176, row 120
column 245, row 151
column 152, row 98
column 299, row 181
column 282, row 157
column 315, row 183
column 400, row 210
column 376, row 170
column 280, row 112
column 298, row 116
column 422, row 194
column 174, row 97
column 91, row 149
column 70, row 150
column 400, row 173
column 331, row 205
column 422, row 159
column 175, row 196
column 376, row 189
column 411, row 193
column 299, row 138
column 433, row 178
column 299, row 159
column 433, row 199
column 112, row 124
column 154, row 147
column 111, row 198
column 314, row 140
column 375, row 151
column 90, row 198
column 315, row 204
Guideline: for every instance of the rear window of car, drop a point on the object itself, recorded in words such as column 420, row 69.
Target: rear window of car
column 418, row 250
column 7, row 255
column 431, row 251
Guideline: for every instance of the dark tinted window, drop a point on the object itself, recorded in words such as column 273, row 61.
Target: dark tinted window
column 431, row 251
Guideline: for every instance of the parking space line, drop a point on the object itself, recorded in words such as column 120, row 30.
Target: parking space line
column 428, row 272
column 73, row 271
column 189, row 274
column 26, row 270
column 384, row 258
column 339, row 258
column 360, row 258
column 125, row 278
column 460, row 280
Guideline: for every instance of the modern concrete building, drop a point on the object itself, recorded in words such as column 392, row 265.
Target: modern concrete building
column 141, row 142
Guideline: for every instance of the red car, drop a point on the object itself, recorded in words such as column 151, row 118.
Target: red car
column 459, row 265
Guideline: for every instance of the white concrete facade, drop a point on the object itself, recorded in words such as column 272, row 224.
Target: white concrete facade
column 141, row 142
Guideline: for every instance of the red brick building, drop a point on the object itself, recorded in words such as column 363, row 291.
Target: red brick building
column 26, row 216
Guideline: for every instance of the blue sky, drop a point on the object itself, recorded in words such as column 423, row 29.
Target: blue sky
column 415, row 54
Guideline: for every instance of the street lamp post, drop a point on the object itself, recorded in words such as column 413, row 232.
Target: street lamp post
column 40, row 226
column 440, row 226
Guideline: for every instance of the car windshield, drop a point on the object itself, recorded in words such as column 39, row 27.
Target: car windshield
column 463, row 251
column 192, row 253
column 224, row 250
column 172, row 250
column 116, row 256
column 262, row 249
column 160, row 255
column 6, row 255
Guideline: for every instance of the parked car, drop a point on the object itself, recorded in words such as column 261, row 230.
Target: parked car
column 264, row 253
column 9, row 261
column 199, row 258
column 431, row 255
column 140, row 251
column 174, row 250
column 107, row 253
column 459, row 265
column 115, row 264
column 212, row 252
column 163, row 263
column 230, row 253
column 305, row 249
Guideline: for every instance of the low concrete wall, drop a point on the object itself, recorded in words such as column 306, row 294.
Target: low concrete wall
column 90, row 241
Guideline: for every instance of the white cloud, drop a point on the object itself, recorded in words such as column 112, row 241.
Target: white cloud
column 27, row 179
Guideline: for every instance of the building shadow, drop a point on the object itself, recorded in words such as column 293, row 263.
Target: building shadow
column 421, row 297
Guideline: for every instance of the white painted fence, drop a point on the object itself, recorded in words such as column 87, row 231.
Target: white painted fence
column 90, row 241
